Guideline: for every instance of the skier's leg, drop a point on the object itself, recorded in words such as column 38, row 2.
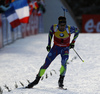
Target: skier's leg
column 64, row 56
column 50, row 57
column 35, row 82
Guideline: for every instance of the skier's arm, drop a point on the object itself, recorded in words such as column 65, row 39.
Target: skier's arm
column 76, row 33
column 51, row 31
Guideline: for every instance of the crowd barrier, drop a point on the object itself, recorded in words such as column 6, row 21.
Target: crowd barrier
column 1, row 41
column 8, row 35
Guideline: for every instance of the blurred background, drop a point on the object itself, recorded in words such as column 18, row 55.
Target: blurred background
column 83, row 14
column 79, row 8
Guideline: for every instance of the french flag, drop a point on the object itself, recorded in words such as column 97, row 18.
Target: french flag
column 22, row 9
column 12, row 17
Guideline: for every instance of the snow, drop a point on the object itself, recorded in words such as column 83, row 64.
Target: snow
column 22, row 59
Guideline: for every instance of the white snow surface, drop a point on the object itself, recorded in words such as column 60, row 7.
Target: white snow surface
column 22, row 60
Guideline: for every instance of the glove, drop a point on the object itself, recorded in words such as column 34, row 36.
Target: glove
column 71, row 45
column 48, row 48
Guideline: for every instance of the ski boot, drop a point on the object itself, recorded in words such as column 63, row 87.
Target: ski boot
column 60, row 81
column 35, row 82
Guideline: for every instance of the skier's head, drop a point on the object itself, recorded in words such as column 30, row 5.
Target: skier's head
column 62, row 23
column 62, row 19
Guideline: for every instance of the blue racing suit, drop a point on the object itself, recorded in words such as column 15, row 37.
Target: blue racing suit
column 60, row 46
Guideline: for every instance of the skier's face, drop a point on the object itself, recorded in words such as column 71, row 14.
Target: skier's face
column 62, row 26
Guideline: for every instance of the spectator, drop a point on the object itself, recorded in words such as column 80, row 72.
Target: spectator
column 41, row 10
column 2, row 2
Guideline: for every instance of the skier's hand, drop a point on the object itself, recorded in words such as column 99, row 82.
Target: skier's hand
column 48, row 48
column 71, row 45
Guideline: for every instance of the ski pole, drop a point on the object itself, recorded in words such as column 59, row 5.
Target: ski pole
column 78, row 55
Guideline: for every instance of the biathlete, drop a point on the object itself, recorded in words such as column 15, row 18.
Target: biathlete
column 62, row 33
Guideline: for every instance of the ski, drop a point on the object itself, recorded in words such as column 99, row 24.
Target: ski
column 62, row 88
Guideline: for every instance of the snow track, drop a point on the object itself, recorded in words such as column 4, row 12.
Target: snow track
column 21, row 61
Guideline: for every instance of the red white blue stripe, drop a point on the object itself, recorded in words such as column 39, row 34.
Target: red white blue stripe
column 22, row 9
column 12, row 17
